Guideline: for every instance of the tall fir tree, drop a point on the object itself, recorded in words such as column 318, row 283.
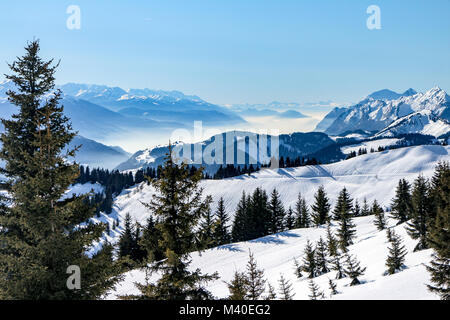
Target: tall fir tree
column 309, row 261
column 39, row 226
column 240, row 222
column 221, row 233
column 127, row 241
column 379, row 216
column 301, row 213
column 337, row 266
column 321, row 257
column 365, row 209
column 321, row 207
column 285, row 289
column 208, row 226
column 347, row 230
column 332, row 242
column 344, row 205
column 260, row 215
column 439, row 238
column 289, row 221
column 179, row 207
column 418, row 226
column 356, row 209
column 256, row 284
column 397, row 252
column 401, row 204
column 276, row 212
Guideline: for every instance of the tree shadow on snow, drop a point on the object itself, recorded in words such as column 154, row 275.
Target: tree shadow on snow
column 275, row 238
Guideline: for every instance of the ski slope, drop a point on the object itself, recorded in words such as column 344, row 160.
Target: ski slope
column 371, row 176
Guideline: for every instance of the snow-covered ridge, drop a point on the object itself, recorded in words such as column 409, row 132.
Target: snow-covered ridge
column 376, row 114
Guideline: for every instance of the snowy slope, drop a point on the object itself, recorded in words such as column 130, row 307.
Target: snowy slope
column 374, row 176
column 275, row 255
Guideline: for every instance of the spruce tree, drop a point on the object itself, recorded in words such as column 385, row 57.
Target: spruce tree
column 285, row 289
column 418, row 226
column 298, row 269
column 365, row 210
column 276, row 212
column 315, row 291
column 40, row 233
column 321, row 257
column 302, row 213
column 343, row 206
column 397, row 252
column 126, row 240
column 260, row 215
column 238, row 287
column 332, row 242
column 337, row 266
column 356, row 209
column 271, row 294
column 178, row 205
column 439, row 238
column 149, row 241
column 256, row 283
column 346, row 231
column 309, row 261
column 401, row 204
column 208, row 225
column 353, row 270
column 321, row 207
column 289, row 221
column 333, row 287
column 380, row 218
column 221, row 233
column 241, row 217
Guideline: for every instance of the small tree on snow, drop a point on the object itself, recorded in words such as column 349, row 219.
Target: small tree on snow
column 321, row 257
column 380, row 219
column 255, row 279
column 315, row 291
column 272, row 295
column 353, row 270
column 397, row 252
column 298, row 269
column 333, row 287
column 285, row 289
column 238, row 287
column 337, row 266
column 309, row 261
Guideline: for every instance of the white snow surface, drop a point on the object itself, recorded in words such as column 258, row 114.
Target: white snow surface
column 371, row 176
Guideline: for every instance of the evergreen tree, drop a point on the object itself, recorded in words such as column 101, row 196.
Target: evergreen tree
column 39, row 234
column 397, row 252
column 321, row 207
column 346, row 231
column 221, row 234
column 321, row 257
column 302, row 213
column 285, row 289
column 333, row 287
column 207, row 226
column 149, row 241
column 337, row 266
column 238, row 287
column 439, row 238
column 260, row 215
column 276, row 212
column 289, row 221
column 365, row 210
column 343, row 206
column 241, row 218
column 353, row 270
column 418, row 226
column 356, row 209
column 272, row 294
column 380, row 218
column 127, row 240
column 401, row 204
column 315, row 291
column 309, row 261
column 255, row 279
column 298, row 269
column 332, row 242
column 178, row 205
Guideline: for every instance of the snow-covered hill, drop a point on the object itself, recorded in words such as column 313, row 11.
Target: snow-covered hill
column 381, row 109
column 275, row 254
column 371, row 176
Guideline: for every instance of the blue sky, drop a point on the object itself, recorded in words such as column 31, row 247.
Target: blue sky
column 239, row 51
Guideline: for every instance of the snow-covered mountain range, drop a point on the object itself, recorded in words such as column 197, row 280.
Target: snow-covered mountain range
column 387, row 113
